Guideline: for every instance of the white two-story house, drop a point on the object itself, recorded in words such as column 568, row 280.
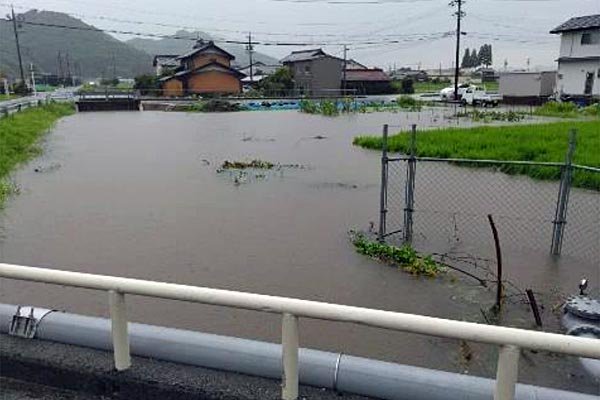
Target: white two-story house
column 579, row 59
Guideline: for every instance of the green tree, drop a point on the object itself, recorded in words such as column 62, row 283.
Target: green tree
column 474, row 59
column 109, row 81
column 485, row 55
column 146, row 84
column 407, row 86
column 20, row 88
column 279, row 83
column 466, row 60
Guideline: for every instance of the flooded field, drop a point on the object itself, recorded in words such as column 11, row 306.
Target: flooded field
column 137, row 194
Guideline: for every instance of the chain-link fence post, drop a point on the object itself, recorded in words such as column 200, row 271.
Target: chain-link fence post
column 410, row 186
column 384, row 183
column 560, row 217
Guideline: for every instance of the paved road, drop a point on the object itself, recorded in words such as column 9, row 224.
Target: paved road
column 30, row 367
column 12, row 389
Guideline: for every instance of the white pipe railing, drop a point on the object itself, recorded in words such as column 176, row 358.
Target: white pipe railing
column 510, row 340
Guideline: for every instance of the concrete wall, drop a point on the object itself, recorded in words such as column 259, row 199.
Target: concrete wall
column 213, row 82
column 527, row 84
column 572, row 75
column 570, row 44
column 320, row 77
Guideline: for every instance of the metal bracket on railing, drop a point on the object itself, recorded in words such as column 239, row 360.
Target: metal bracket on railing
column 336, row 373
column 26, row 320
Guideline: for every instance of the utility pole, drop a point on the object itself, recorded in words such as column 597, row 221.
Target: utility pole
column 14, row 21
column 344, row 70
column 59, row 72
column 33, row 79
column 250, row 50
column 69, row 77
column 459, row 14
column 114, row 66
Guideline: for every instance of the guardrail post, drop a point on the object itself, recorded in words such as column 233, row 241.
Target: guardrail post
column 290, row 343
column 409, row 198
column 560, row 217
column 384, row 183
column 120, row 337
column 507, row 372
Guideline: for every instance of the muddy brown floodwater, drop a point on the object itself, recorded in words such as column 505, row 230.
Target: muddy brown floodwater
column 136, row 194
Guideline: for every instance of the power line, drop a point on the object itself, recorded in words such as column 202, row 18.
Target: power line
column 227, row 41
column 195, row 28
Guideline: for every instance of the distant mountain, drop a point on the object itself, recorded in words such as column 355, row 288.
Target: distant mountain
column 90, row 54
column 180, row 46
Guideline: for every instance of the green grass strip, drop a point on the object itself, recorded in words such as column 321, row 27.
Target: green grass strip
column 19, row 135
column 537, row 142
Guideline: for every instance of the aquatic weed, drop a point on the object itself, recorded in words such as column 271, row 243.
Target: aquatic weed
column 404, row 257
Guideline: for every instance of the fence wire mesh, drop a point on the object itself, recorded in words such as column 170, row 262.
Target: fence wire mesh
column 451, row 204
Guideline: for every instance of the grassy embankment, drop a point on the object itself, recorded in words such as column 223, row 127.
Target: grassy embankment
column 19, row 135
column 541, row 142
column 8, row 96
column 567, row 110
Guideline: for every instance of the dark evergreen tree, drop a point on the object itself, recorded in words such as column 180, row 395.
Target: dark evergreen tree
column 466, row 60
column 485, row 55
column 474, row 59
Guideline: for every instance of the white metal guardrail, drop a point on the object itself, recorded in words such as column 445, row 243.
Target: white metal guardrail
column 16, row 106
column 510, row 340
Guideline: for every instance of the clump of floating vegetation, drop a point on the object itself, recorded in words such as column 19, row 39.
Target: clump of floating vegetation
column 254, row 164
column 405, row 257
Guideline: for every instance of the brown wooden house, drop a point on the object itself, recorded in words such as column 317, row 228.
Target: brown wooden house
column 204, row 69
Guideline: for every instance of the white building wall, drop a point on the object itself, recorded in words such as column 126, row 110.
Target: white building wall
column 572, row 74
column 573, row 67
column 570, row 44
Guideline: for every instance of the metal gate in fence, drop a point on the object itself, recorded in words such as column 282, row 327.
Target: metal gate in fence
column 438, row 205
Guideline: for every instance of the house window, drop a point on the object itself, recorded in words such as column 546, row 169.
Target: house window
column 307, row 69
column 590, row 38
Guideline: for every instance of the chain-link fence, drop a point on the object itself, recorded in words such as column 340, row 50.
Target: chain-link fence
column 441, row 207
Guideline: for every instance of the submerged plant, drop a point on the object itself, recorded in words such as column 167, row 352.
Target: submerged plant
column 254, row 164
column 489, row 116
column 404, row 257
column 410, row 103
column 309, row 106
column 325, row 107
column 329, row 108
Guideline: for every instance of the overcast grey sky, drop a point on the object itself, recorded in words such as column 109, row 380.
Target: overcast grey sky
column 518, row 29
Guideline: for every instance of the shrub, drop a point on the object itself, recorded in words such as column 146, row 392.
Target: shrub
column 329, row 108
column 409, row 102
column 146, row 84
column 214, row 105
column 309, row 107
column 407, row 86
column 557, row 109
